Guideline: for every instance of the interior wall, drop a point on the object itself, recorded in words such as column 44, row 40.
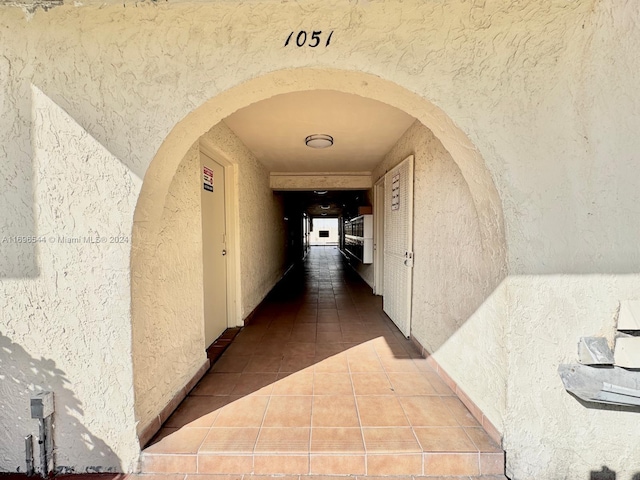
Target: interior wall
column 262, row 229
column 364, row 270
column 167, row 303
column 169, row 344
column 452, row 275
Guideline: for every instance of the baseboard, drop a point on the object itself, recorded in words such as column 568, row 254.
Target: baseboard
column 491, row 430
column 350, row 261
column 217, row 348
column 249, row 318
column 146, row 433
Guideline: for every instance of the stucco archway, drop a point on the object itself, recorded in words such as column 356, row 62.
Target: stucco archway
column 162, row 169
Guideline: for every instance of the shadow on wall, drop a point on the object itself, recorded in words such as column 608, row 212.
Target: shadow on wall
column 18, row 256
column 607, row 474
column 21, row 376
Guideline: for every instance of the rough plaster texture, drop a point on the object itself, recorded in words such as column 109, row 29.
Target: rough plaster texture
column 168, row 340
column 502, row 343
column 547, row 315
column 167, row 289
column 262, row 229
column 68, row 328
column 476, row 356
column 456, row 309
column 541, row 118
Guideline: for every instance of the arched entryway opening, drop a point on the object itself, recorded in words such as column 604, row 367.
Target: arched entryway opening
column 166, row 354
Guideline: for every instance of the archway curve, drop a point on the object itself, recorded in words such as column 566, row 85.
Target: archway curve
column 159, row 176
column 474, row 170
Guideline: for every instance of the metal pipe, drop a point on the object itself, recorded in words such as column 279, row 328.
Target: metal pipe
column 43, row 449
column 48, row 443
column 42, row 408
column 28, row 447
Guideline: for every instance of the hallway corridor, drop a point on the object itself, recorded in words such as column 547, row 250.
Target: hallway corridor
column 322, row 382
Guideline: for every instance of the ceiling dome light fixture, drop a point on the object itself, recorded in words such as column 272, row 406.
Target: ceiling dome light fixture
column 325, row 207
column 319, row 140
column 320, row 192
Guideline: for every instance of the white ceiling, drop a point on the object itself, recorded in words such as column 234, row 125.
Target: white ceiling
column 364, row 130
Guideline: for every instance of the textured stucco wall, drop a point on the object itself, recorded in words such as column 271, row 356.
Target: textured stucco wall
column 261, row 226
column 549, row 433
column 168, row 341
column 456, row 310
column 167, row 289
column 521, row 86
column 67, row 327
column 476, row 356
column 543, row 94
column 450, row 267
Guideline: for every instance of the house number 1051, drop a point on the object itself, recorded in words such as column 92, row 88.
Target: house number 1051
column 312, row 39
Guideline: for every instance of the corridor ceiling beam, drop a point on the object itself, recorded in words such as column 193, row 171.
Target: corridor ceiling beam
column 286, row 181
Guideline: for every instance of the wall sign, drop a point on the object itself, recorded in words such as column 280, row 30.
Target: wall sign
column 395, row 192
column 312, row 39
column 207, row 179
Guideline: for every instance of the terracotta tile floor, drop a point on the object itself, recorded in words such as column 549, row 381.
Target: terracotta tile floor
column 322, row 382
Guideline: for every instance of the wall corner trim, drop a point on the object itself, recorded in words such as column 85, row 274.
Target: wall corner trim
column 146, row 433
column 491, row 430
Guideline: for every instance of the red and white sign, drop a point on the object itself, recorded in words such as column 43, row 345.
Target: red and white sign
column 207, row 179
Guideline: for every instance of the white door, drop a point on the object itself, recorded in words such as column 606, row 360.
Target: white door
column 378, row 237
column 398, row 244
column 214, row 252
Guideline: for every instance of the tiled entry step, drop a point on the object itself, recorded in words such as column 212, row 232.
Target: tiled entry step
column 429, row 465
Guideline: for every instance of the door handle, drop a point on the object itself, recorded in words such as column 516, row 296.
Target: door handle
column 408, row 259
column 224, row 252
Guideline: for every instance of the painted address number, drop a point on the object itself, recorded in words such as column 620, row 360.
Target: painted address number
column 312, row 39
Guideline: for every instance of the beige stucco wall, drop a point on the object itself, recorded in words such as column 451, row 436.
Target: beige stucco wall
column 457, row 309
column 167, row 303
column 167, row 307
column 503, row 339
column 261, row 221
column 65, row 327
column 548, row 433
column 451, row 271
column 538, row 96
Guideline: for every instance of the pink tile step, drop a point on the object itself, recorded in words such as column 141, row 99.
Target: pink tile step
column 488, row 466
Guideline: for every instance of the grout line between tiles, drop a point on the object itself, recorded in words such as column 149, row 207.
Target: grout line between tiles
column 355, row 401
column 464, row 429
column 313, row 402
column 264, row 416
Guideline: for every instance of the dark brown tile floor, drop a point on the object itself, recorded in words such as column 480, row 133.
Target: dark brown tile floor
column 322, row 382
